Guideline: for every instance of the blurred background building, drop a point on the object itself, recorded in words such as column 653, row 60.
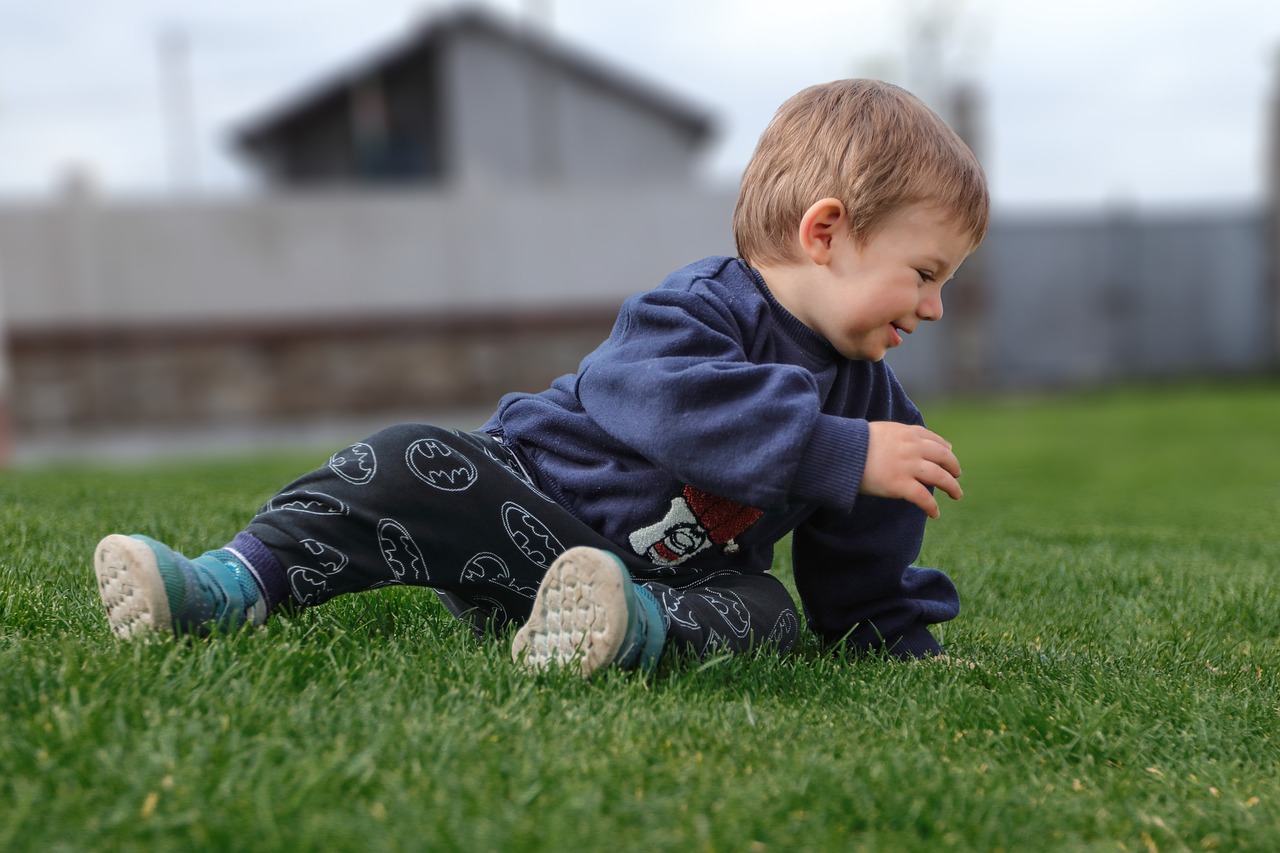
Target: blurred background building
column 458, row 213
column 469, row 100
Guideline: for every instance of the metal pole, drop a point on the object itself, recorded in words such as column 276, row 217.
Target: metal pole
column 177, row 110
column 6, row 420
column 971, row 297
column 1272, row 226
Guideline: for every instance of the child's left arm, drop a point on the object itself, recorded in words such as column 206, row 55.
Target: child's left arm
column 675, row 383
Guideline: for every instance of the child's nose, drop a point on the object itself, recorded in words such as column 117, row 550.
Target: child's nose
column 930, row 307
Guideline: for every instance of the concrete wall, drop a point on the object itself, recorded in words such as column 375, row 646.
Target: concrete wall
column 79, row 262
column 124, row 315
column 1082, row 299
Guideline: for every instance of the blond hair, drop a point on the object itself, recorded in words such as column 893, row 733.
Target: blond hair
column 873, row 146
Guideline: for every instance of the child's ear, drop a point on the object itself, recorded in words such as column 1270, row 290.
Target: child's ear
column 821, row 223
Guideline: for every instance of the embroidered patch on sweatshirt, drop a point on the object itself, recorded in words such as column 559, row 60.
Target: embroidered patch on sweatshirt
column 695, row 522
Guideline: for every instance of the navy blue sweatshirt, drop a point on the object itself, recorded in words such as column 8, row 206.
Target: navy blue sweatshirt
column 710, row 424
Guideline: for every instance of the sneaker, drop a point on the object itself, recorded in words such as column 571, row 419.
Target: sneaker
column 147, row 588
column 589, row 612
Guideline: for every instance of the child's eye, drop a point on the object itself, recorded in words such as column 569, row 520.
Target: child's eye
column 925, row 275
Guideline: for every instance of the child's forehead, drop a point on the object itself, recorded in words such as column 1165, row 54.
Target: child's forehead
column 928, row 215
column 949, row 222
column 932, row 231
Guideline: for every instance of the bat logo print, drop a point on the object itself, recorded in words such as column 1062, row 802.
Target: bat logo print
column 440, row 466
column 328, row 559
column 309, row 586
column 402, row 554
column 490, row 568
column 512, row 463
column 677, row 611
column 310, row 583
column 484, row 567
column 731, row 609
column 302, row 500
column 489, row 453
column 357, row 464
column 494, row 613
column 530, row 535
column 784, row 630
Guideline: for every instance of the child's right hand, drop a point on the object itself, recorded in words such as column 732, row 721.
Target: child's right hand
column 903, row 460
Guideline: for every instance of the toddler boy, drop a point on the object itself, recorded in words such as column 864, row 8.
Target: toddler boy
column 633, row 506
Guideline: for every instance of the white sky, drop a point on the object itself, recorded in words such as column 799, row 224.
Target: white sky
column 1143, row 102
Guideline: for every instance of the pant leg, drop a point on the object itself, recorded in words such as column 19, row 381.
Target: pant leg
column 727, row 611
column 425, row 506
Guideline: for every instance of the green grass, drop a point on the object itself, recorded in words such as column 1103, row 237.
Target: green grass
column 1116, row 553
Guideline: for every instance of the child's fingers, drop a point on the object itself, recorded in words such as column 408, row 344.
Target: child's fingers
column 949, row 485
column 922, row 498
column 907, row 462
column 942, row 479
column 936, row 449
column 934, row 437
column 943, row 458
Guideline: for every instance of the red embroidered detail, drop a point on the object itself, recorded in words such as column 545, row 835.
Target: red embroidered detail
column 663, row 552
column 723, row 519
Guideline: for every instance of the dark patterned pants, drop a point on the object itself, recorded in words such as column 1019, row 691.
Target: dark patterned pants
column 456, row 511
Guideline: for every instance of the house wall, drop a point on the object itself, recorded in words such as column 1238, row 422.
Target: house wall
column 517, row 118
column 607, row 141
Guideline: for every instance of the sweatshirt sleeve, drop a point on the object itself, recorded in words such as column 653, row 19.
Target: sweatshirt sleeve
column 709, row 415
column 854, row 575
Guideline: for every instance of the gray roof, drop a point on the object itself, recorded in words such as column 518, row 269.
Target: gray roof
column 428, row 36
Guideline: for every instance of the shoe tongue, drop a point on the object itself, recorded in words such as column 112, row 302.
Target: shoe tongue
column 653, row 631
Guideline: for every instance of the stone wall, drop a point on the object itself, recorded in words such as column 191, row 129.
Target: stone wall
column 90, row 380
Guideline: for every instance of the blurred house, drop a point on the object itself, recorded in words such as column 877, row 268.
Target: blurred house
column 473, row 196
column 473, row 100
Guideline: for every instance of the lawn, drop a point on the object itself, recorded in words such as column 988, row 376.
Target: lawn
column 1114, row 687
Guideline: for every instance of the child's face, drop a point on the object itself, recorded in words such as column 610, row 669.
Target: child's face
column 868, row 297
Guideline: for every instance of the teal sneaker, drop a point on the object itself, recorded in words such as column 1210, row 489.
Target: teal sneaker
column 588, row 612
column 148, row 588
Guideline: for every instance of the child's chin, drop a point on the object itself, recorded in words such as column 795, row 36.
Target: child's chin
column 873, row 356
column 861, row 351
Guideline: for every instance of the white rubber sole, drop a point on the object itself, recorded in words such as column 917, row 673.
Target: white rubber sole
column 579, row 615
column 131, row 587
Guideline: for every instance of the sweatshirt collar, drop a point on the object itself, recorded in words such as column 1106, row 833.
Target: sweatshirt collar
column 806, row 338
